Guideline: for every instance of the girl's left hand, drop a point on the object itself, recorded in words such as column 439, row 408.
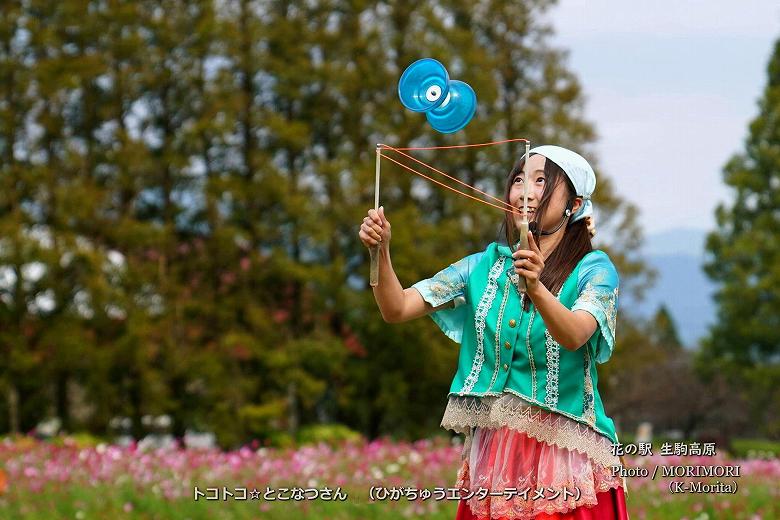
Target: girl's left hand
column 529, row 264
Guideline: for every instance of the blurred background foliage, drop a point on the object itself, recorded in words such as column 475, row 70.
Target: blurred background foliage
column 181, row 185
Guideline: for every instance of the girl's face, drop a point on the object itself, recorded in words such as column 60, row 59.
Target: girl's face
column 534, row 171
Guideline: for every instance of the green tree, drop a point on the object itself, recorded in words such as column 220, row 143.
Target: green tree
column 744, row 259
column 47, row 146
column 181, row 188
column 664, row 329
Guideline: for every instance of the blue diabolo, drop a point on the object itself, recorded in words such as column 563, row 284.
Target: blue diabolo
column 425, row 86
column 456, row 110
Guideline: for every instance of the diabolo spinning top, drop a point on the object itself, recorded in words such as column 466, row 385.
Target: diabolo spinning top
column 425, row 86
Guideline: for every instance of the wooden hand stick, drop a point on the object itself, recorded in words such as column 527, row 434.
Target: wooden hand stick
column 373, row 277
column 524, row 223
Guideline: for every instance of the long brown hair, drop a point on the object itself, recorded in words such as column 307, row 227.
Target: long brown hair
column 575, row 242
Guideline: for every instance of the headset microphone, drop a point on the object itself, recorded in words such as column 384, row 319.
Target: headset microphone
column 533, row 226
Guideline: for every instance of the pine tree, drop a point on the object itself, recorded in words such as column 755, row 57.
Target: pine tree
column 744, row 255
column 664, row 330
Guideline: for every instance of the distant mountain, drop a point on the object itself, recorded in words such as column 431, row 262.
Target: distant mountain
column 681, row 285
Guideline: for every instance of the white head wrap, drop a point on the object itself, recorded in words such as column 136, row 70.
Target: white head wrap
column 581, row 175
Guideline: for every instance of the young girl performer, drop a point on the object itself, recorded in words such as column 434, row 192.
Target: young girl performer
column 525, row 393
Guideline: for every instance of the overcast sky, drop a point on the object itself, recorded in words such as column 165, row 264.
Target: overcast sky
column 671, row 87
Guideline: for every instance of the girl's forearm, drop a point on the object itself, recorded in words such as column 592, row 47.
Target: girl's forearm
column 563, row 324
column 389, row 293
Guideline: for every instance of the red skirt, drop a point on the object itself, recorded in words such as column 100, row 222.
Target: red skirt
column 504, row 458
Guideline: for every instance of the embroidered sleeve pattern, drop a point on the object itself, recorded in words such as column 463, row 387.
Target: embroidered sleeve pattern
column 598, row 296
column 443, row 287
column 449, row 285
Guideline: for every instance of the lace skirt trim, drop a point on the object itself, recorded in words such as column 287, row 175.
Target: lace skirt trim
column 464, row 413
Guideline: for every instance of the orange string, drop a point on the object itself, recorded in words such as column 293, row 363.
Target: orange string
column 397, row 150
column 456, row 146
column 512, row 209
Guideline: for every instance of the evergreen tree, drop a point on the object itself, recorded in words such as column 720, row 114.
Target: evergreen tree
column 181, row 185
column 744, row 255
column 664, row 330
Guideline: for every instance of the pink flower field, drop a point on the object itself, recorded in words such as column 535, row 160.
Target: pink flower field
column 66, row 480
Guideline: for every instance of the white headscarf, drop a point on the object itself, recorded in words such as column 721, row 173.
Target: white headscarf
column 581, row 175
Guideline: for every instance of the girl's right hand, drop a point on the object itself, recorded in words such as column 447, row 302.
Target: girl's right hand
column 375, row 228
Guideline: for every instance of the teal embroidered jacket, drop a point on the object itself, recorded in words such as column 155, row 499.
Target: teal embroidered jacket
column 507, row 350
